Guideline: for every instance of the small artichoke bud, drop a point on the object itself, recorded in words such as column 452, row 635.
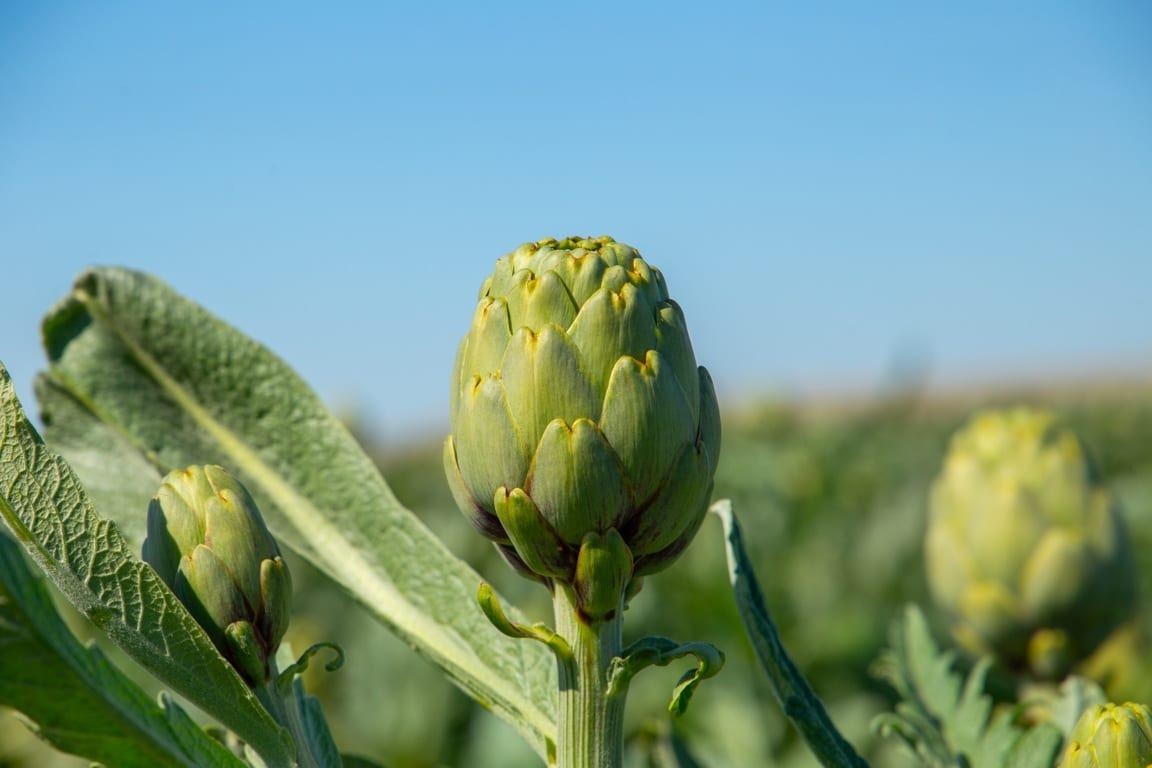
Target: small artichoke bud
column 1025, row 548
column 578, row 410
column 208, row 542
column 1111, row 736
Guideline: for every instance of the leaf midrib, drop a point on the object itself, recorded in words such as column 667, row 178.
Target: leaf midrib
column 344, row 562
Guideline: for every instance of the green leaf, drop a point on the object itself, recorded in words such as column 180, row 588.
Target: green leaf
column 51, row 516
column 944, row 718
column 1074, row 696
column 661, row 651
column 796, row 697
column 158, row 376
column 1038, row 747
column 81, row 703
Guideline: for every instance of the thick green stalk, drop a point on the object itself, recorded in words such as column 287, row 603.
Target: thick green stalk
column 590, row 728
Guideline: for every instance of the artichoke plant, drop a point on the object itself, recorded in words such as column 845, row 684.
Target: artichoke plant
column 1026, row 549
column 208, row 542
column 1111, row 736
column 584, row 436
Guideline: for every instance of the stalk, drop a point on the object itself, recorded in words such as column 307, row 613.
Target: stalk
column 285, row 710
column 590, row 728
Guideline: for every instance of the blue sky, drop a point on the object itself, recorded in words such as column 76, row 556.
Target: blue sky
column 828, row 187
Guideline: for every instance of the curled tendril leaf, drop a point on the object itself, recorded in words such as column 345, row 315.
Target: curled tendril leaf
column 490, row 605
column 285, row 678
column 661, row 651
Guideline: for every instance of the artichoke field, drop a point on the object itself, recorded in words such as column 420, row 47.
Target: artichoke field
column 588, row 459
column 839, row 501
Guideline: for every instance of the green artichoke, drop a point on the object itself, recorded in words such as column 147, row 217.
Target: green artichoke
column 584, row 436
column 1025, row 548
column 207, row 540
column 1111, row 736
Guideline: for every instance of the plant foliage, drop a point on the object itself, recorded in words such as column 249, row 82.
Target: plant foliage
column 138, row 368
column 948, row 720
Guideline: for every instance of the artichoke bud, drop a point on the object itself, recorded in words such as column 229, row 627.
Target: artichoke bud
column 578, row 409
column 1025, row 548
column 208, row 542
column 603, row 575
column 1111, row 736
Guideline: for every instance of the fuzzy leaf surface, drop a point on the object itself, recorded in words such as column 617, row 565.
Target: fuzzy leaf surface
column 162, row 379
column 80, row 702
column 48, row 512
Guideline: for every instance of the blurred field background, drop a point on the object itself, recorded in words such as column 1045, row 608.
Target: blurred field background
column 826, row 186
column 832, row 496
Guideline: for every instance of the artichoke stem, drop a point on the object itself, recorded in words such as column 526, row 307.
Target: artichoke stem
column 590, row 730
column 284, row 707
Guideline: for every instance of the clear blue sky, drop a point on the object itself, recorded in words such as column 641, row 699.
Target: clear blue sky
column 827, row 186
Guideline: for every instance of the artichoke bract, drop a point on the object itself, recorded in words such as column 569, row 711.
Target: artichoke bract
column 1111, row 736
column 1026, row 549
column 584, row 436
column 208, row 542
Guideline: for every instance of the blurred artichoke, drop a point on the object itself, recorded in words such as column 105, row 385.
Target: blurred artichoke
column 209, row 544
column 1025, row 549
column 584, row 437
column 1122, row 664
column 1111, row 736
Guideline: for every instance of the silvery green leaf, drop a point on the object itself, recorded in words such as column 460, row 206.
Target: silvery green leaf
column 796, row 697
column 1075, row 695
column 150, row 374
column 944, row 717
column 47, row 510
column 80, row 703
